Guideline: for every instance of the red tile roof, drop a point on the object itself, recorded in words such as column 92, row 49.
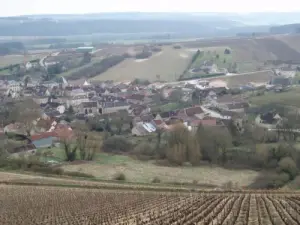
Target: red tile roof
column 193, row 110
column 158, row 122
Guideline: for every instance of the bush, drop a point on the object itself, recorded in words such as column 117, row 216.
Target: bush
column 156, row 180
column 116, row 144
column 144, row 149
column 288, row 166
column 277, row 180
column 120, row 177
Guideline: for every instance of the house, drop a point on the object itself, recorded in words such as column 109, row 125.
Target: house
column 189, row 114
column 89, row 108
column 112, row 107
column 136, row 99
column 270, row 118
column 282, row 81
column 77, row 99
column 143, row 129
column 235, row 106
column 14, row 86
column 50, row 84
column 43, row 140
column 137, row 110
column 209, row 67
column 285, row 71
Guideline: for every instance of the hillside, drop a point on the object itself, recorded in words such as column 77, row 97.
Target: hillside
column 167, row 64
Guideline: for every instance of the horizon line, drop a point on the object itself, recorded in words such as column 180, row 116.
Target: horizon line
column 150, row 12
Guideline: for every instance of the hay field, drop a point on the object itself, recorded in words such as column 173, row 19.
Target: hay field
column 168, row 64
column 257, row 77
column 7, row 60
column 145, row 172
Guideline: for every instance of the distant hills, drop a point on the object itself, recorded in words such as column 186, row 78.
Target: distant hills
column 286, row 29
column 189, row 24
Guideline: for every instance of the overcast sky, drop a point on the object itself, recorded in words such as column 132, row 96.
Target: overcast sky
column 22, row 7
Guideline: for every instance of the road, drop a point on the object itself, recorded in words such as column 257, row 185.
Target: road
column 42, row 60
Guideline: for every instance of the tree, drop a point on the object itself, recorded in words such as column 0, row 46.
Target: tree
column 227, row 51
column 193, row 151
column 176, row 95
column 70, row 149
column 288, row 166
column 70, row 110
column 116, row 144
column 27, row 112
column 27, row 79
column 87, row 58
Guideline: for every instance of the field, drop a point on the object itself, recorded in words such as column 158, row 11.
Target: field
column 105, row 168
column 15, row 59
column 289, row 98
column 168, row 64
column 52, row 205
column 257, row 77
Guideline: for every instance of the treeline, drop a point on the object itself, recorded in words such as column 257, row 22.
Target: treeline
column 98, row 68
column 285, row 29
column 194, row 58
column 143, row 55
column 11, row 47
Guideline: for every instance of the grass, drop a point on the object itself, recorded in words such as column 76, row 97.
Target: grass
column 169, row 106
column 7, row 60
column 145, row 172
column 258, row 77
column 5, row 72
column 210, row 53
column 289, row 98
column 168, row 64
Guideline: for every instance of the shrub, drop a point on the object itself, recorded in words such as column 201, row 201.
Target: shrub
column 144, row 149
column 277, row 180
column 116, row 144
column 120, row 177
column 156, row 180
column 288, row 166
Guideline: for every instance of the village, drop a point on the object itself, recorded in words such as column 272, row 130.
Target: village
column 137, row 108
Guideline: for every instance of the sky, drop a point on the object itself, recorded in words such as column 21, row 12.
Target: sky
column 24, row 7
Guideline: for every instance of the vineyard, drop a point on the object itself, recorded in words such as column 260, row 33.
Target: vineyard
column 78, row 206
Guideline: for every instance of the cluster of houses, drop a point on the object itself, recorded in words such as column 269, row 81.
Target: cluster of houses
column 207, row 105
